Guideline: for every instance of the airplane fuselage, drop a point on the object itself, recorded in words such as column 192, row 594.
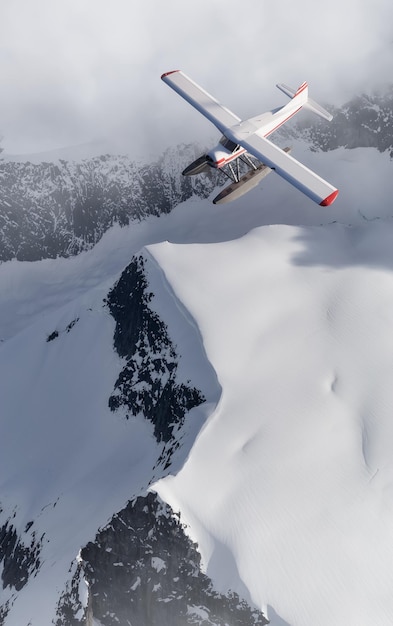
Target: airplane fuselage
column 223, row 153
column 266, row 123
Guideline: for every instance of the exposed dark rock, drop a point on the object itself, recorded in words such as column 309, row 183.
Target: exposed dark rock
column 148, row 383
column 20, row 560
column 4, row 610
column 56, row 333
column 71, row 325
column 143, row 570
column 70, row 610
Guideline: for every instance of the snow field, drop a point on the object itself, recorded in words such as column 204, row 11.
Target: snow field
column 292, row 473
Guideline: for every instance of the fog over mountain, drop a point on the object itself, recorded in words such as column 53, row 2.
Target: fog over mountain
column 61, row 208
column 77, row 71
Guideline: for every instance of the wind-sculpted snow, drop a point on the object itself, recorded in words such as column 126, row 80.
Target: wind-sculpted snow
column 288, row 489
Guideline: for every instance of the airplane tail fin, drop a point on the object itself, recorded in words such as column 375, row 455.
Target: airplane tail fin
column 301, row 94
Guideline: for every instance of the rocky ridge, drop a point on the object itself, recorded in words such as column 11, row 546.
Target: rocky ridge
column 142, row 569
column 60, row 209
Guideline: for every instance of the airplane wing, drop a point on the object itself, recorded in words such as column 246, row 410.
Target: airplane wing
column 284, row 164
column 220, row 116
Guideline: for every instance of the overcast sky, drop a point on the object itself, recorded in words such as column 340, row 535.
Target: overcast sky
column 75, row 71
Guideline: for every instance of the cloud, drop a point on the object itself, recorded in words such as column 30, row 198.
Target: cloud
column 72, row 71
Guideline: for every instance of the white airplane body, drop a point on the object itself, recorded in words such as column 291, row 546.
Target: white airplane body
column 249, row 137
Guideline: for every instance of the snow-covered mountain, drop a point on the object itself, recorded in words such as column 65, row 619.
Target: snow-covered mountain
column 61, row 207
column 195, row 418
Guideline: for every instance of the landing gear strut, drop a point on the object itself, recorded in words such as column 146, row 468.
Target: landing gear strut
column 241, row 184
column 232, row 170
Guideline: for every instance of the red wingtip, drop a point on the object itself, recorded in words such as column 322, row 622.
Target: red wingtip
column 171, row 72
column 330, row 199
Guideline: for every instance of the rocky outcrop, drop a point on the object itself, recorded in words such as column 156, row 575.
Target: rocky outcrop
column 142, row 569
column 148, row 383
column 19, row 559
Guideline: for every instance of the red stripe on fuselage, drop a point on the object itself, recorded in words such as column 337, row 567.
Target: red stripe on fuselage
column 301, row 88
column 282, row 122
column 231, row 157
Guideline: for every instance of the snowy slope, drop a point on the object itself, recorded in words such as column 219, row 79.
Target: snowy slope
column 298, row 454
column 286, row 330
column 67, row 462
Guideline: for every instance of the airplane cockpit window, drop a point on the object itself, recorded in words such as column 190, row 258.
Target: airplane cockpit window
column 229, row 144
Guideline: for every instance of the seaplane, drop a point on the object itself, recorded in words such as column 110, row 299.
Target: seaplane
column 244, row 144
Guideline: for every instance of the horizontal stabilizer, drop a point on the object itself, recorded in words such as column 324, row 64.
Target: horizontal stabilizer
column 313, row 106
column 287, row 90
